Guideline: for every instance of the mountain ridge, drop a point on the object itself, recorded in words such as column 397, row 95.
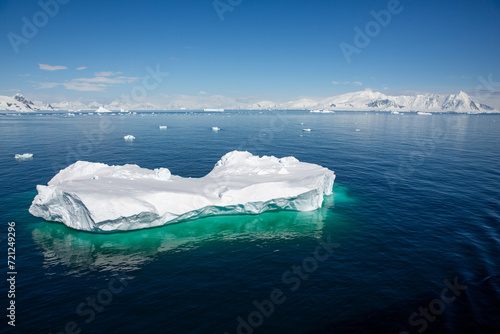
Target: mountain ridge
column 364, row 100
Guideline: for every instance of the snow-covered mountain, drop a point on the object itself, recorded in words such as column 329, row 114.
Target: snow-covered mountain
column 365, row 100
column 20, row 103
column 70, row 106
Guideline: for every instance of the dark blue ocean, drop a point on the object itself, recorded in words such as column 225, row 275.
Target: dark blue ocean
column 408, row 243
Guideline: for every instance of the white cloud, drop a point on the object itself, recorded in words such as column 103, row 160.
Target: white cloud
column 458, row 77
column 47, row 85
column 106, row 74
column 202, row 92
column 97, row 83
column 46, row 67
column 356, row 83
column 84, row 86
column 81, row 68
column 106, row 80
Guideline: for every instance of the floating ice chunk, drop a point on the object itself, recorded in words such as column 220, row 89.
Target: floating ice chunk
column 129, row 137
column 306, row 130
column 423, row 113
column 102, row 110
column 357, row 130
column 163, row 127
column 322, row 111
column 214, row 128
column 24, row 156
column 97, row 197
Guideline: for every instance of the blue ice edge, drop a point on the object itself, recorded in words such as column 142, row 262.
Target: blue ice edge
column 144, row 220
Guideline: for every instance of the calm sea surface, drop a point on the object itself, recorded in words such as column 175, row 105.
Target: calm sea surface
column 409, row 242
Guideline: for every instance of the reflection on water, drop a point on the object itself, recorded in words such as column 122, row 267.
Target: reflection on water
column 82, row 251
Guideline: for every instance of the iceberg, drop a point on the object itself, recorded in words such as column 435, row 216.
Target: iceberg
column 213, row 109
column 129, row 137
column 322, row 111
column 306, row 130
column 163, row 127
column 24, row 156
column 97, row 197
column 215, row 128
column 102, row 110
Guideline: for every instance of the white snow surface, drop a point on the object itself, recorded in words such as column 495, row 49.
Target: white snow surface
column 100, row 198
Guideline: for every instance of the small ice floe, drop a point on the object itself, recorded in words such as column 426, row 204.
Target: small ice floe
column 129, row 137
column 301, row 123
column 24, row 156
column 423, row 113
column 163, row 127
column 215, row 128
column 306, row 130
column 102, row 110
column 357, row 130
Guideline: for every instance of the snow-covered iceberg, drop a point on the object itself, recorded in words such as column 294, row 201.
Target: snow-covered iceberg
column 102, row 110
column 24, row 156
column 100, row 198
column 129, row 137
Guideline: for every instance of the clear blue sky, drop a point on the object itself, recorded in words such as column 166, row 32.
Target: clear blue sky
column 276, row 49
